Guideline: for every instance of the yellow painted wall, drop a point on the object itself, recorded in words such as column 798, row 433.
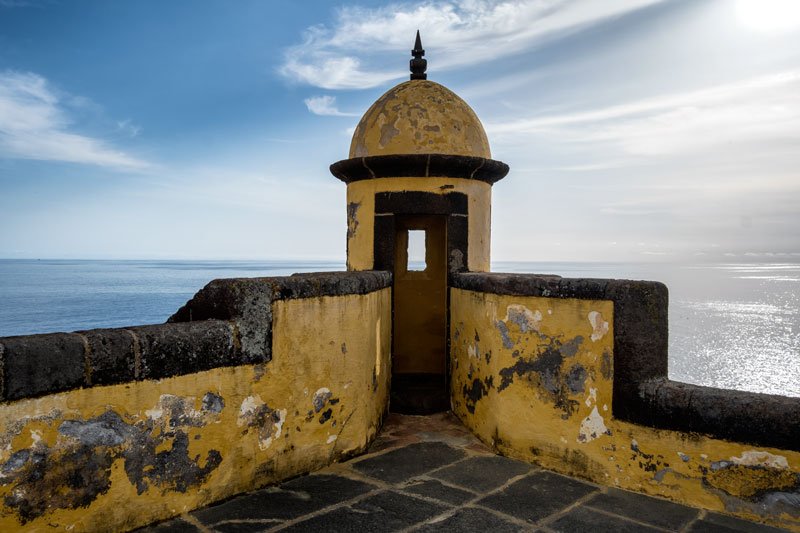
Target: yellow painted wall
column 102, row 450
column 532, row 377
column 361, row 215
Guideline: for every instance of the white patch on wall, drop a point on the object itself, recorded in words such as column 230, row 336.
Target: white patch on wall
column 592, row 397
column 155, row 413
column 171, row 407
column 249, row 413
column 599, row 326
column 474, row 350
column 592, row 427
column 263, row 444
column 763, row 459
column 523, row 317
column 248, row 408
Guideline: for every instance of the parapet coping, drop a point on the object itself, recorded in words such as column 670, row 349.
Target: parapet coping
column 642, row 391
column 227, row 323
column 420, row 166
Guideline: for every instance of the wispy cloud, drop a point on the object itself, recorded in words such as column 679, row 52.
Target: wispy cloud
column 128, row 128
column 350, row 53
column 758, row 111
column 35, row 124
column 326, row 106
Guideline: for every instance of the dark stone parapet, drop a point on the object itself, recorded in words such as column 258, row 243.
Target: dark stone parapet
column 34, row 365
column 58, row 364
column 764, row 419
column 420, row 166
column 227, row 323
column 642, row 392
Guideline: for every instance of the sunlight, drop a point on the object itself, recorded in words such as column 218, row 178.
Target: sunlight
column 768, row 15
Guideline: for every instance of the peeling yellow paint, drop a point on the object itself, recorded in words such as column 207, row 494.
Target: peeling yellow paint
column 251, row 428
column 419, row 117
column 531, row 399
column 360, row 244
column 599, row 326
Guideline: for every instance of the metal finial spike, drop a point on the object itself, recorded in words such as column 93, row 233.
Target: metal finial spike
column 418, row 64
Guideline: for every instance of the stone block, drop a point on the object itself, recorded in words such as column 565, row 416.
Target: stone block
column 438, row 491
column 34, row 365
column 304, row 495
column 537, row 496
column 405, row 463
column 653, row 511
column 482, row 473
column 112, row 358
column 470, row 519
column 175, row 349
column 584, row 519
column 385, row 511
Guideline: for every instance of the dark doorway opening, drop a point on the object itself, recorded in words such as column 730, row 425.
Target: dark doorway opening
column 419, row 339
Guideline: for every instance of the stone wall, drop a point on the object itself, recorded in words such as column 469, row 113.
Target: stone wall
column 571, row 375
column 252, row 381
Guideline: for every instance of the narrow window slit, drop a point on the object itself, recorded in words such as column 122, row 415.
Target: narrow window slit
column 416, row 251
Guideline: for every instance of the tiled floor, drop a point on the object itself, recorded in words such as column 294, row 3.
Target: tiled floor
column 430, row 474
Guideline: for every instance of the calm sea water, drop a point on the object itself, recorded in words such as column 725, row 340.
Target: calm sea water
column 731, row 325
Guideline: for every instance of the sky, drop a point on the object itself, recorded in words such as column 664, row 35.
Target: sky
column 635, row 130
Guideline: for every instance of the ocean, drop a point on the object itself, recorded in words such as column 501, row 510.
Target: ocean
column 733, row 326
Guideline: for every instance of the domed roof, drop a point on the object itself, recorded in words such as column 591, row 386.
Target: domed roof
column 419, row 117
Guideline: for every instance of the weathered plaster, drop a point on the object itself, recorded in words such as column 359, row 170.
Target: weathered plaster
column 360, row 245
column 120, row 456
column 531, row 401
column 416, row 117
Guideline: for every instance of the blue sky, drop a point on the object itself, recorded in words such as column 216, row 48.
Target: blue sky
column 635, row 129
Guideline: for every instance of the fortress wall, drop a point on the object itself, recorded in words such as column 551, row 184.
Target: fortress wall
column 272, row 377
column 571, row 375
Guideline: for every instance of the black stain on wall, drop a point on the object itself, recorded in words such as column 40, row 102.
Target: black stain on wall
column 477, row 390
column 576, row 377
column 606, row 366
column 352, row 218
column 76, row 472
column 545, row 370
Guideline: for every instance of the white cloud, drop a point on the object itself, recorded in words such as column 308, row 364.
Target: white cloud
column 326, row 106
column 352, row 53
column 34, row 124
column 763, row 111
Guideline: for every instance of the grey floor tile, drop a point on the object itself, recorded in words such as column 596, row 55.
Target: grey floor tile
column 471, row 520
column 295, row 498
column 242, row 527
column 172, row 526
column 386, row 511
column 584, row 519
column 720, row 523
column 654, row 511
column 434, row 489
column 537, row 495
column 404, row 463
column 482, row 473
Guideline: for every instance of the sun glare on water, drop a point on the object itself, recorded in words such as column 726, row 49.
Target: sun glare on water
column 769, row 15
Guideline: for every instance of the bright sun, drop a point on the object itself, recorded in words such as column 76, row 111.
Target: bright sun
column 769, row 15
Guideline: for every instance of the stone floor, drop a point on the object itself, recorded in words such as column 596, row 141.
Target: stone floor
column 430, row 474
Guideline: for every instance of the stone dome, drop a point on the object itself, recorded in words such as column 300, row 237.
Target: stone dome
column 419, row 117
